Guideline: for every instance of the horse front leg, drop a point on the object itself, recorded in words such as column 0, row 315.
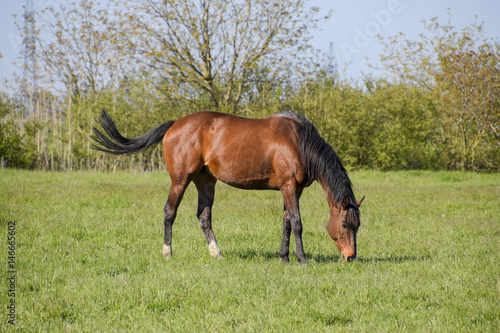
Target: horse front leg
column 291, row 194
column 299, row 247
column 285, row 238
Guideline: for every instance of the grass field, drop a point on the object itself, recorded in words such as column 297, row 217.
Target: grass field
column 88, row 257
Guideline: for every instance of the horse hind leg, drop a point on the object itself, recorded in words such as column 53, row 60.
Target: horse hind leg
column 205, row 184
column 170, row 210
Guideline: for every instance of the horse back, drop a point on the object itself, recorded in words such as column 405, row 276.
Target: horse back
column 242, row 152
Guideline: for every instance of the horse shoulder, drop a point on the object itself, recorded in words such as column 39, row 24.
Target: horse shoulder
column 288, row 163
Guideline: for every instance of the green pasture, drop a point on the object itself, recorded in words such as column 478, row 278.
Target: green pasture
column 88, row 257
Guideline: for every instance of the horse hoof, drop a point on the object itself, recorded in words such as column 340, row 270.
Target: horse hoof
column 285, row 260
column 215, row 251
column 167, row 252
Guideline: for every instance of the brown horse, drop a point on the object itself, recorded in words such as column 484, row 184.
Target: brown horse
column 282, row 152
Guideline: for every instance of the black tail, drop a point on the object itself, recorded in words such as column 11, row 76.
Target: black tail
column 115, row 143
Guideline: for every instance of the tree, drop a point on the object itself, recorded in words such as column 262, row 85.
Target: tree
column 83, row 49
column 469, row 85
column 462, row 71
column 78, row 52
column 17, row 149
column 216, row 47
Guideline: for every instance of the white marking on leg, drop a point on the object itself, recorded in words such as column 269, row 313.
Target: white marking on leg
column 167, row 251
column 214, row 250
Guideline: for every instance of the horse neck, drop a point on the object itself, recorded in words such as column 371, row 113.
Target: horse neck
column 330, row 197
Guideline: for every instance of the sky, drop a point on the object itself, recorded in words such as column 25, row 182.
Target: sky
column 351, row 29
column 355, row 23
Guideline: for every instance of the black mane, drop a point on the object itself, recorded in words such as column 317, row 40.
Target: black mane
column 322, row 163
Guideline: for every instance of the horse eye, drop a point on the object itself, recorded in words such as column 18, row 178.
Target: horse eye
column 344, row 224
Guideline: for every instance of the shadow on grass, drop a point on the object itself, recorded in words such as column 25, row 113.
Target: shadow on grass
column 253, row 254
column 396, row 259
column 272, row 255
column 323, row 259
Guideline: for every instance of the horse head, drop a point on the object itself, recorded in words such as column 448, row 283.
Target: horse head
column 343, row 226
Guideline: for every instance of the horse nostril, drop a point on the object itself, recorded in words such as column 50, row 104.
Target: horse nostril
column 351, row 258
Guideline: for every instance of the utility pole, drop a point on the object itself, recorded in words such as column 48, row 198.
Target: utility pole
column 2, row 87
column 332, row 67
column 29, row 69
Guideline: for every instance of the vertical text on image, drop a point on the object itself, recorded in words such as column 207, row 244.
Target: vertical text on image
column 11, row 272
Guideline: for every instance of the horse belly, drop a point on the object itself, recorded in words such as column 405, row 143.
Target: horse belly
column 244, row 172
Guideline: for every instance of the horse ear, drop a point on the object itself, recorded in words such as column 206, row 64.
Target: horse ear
column 358, row 203
column 345, row 202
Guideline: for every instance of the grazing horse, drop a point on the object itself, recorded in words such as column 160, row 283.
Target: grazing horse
column 282, row 152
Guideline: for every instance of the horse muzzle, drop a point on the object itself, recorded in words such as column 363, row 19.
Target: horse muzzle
column 348, row 256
